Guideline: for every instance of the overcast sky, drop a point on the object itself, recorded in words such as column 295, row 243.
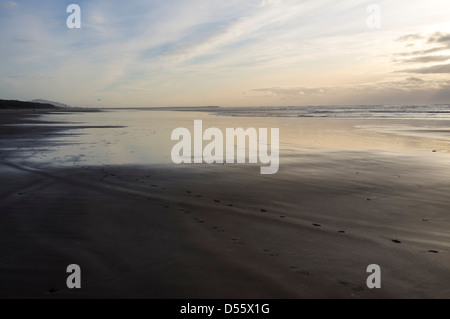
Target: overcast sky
column 226, row 52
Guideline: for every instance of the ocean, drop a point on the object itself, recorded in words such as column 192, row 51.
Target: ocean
column 349, row 112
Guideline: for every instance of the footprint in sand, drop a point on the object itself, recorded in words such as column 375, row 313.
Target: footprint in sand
column 354, row 288
column 395, row 241
column 341, row 232
column 273, row 254
column 217, row 229
column 433, row 251
column 217, row 201
column 317, row 225
column 263, row 211
column 188, row 192
column 283, row 217
column 301, row 272
column 344, row 283
column 237, row 242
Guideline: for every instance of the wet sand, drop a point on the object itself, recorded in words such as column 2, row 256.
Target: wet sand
column 224, row 231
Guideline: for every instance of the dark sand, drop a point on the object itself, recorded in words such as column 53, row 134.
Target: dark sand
column 225, row 231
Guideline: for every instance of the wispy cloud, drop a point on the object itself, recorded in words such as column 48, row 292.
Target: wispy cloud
column 440, row 37
column 421, row 52
column 39, row 76
column 427, row 56
column 25, row 41
column 426, row 59
column 191, row 52
column 412, row 37
column 435, row 69
column 395, row 91
column 270, row 2
column 9, row 4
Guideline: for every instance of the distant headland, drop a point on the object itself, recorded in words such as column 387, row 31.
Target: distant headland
column 22, row 105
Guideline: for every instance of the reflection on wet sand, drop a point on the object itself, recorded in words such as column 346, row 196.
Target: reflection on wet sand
column 99, row 190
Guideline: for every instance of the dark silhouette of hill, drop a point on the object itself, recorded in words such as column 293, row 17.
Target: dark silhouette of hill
column 57, row 104
column 20, row 105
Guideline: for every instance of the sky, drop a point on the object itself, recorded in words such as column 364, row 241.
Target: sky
column 148, row 53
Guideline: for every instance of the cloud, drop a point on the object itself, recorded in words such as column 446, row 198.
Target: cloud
column 437, row 42
column 409, row 90
column 285, row 92
column 437, row 37
column 435, row 69
column 414, row 79
column 234, row 34
column 38, row 76
column 9, row 4
column 25, row 41
column 270, row 2
column 422, row 52
column 407, row 85
column 411, row 37
column 426, row 59
column 440, row 38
